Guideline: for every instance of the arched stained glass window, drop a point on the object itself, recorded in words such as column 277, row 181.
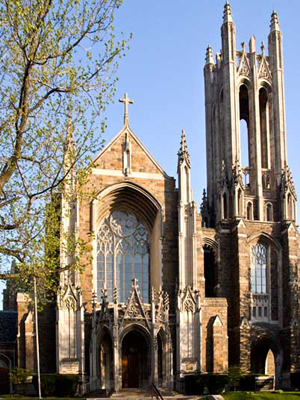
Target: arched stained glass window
column 122, row 254
column 259, row 268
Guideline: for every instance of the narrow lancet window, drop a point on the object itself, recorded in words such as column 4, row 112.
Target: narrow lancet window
column 225, row 205
column 244, row 127
column 264, row 128
column 269, row 213
column 210, row 272
column 259, row 268
column 249, row 211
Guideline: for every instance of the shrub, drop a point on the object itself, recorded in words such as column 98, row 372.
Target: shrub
column 47, row 384
column 217, row 383
column 19, row 375
column 195, row 384
column 59, row 385
column 295, row 379
column 234, row 376
column 247, row 382
column 66, row 385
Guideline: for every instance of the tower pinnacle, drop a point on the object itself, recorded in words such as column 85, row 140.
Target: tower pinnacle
column 227, row 15
column 183, row 152
column 209, row 59
column 274, row 26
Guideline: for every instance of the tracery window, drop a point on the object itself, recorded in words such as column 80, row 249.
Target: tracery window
column 260, row 296
column 259, row 268
column 122, row 254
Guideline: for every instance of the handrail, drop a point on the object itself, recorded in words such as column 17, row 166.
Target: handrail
column 157, row 393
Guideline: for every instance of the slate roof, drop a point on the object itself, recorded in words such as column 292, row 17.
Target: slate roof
column 8, row 326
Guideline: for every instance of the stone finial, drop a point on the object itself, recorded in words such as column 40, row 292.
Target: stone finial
column 183, row 153
column 227, row 15
column 274, row 26
column 252, row 46
column 262, row 47
column 209, row 59
column 243, row 44
column 126, row 102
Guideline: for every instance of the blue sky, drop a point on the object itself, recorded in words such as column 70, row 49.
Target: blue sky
column 163, row 73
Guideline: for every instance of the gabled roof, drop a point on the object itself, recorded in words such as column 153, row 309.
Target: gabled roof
column 126, row 129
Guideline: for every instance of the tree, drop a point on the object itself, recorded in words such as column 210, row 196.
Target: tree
column 57, row 60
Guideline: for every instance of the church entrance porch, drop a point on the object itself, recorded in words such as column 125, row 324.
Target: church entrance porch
column 136, row 365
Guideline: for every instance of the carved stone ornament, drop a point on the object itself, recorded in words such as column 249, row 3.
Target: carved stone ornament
column 188, row 300
column 264, row 69
column 70, row 303
column 223, row 182
column 244, row 67
column 67, row 298
column 237, row 175
column 135, row 308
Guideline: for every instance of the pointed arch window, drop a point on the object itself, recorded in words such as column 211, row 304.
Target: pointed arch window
column 249, row 211
column 122, row 254
column 269, row 212
column 264, row 127
column 259, row 268
column 245, row 154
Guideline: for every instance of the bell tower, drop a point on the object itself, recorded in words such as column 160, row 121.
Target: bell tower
column 247, row 172
column 251, row 199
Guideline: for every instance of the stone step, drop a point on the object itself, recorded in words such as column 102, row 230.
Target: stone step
column 141, row 395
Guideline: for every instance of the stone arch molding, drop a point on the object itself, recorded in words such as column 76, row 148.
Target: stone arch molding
column 264, row 236
column 108, row 198
column 211, row 243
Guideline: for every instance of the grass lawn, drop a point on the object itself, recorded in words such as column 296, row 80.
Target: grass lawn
column 261, row 396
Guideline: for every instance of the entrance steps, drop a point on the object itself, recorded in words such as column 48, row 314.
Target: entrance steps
column 136, row 394
column 141, row 394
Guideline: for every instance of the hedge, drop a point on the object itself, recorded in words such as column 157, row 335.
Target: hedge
column 197, row 383
column 60, row 385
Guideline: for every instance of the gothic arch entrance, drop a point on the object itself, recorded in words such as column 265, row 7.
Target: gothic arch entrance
column 136, row 364
column 266, row 358
column 4, row 374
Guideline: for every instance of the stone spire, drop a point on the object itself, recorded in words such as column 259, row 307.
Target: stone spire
column 183, row 152
column 274, row 26
column 70, row 156
column 209, row 59
column 227, row 15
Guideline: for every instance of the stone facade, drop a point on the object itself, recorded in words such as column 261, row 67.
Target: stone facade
column 207, row 289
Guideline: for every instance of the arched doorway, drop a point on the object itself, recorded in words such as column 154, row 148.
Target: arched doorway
column 210, row 271
column 266, row 358
column 106, row 361
column 136, row 366
column 4, row 375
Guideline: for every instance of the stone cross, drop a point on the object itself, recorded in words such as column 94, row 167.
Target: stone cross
column 126, row 101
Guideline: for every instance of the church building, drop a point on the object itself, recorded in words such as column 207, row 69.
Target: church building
column 171, row 287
